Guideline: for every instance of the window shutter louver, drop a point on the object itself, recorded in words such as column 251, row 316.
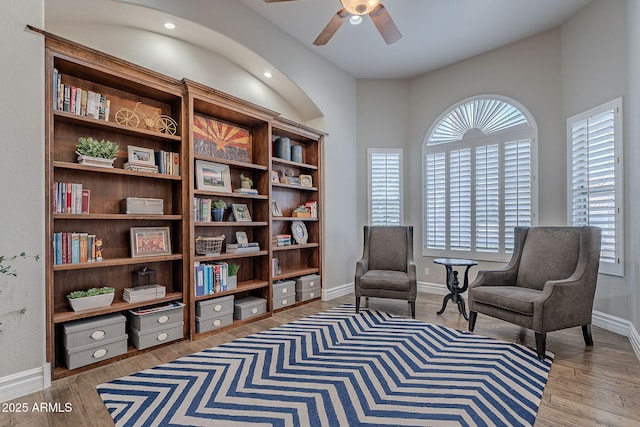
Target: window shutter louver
column 517, row 188
column 487, row 199
column 436, row 201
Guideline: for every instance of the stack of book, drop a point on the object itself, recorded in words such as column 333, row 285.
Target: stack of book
column 281, row 240
column 246, row 191
column 240, row 248
column 140, row 167
column 143, row 293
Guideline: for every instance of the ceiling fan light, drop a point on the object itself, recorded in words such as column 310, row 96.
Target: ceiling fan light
column 359, row 7
column 355, row 19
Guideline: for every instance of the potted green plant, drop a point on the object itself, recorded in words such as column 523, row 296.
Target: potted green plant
column 245, row 181
column 217, row 209
column 92, row 152
column 91, row 298
column 232, row 276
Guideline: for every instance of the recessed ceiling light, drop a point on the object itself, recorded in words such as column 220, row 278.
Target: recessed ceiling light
column 267, row 74
column 169, row 25
column 355, row 19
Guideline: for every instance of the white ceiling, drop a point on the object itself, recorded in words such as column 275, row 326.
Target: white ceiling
column 435, row 32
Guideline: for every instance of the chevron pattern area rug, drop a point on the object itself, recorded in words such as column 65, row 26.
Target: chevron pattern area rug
column 338, row 368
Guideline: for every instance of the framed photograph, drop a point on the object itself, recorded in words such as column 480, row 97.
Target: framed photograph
column 140, row 155
column 299, row 232
column 241, row 237
column 275, row 176
column 275, row 208
column 213, row 176
column 150, row 241
column 241, row 212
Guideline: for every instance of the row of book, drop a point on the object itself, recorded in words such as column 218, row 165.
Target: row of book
column 70, row 197
column 168, row 162
column 210, row 278
column 281, row 240
column 241, row 248
column 202, row 209
column 79, row 101
column 76, row 247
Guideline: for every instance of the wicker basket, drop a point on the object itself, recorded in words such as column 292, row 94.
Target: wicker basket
column 209, row 246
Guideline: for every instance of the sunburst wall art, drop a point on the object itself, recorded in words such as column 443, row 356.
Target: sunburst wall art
column 221, row 140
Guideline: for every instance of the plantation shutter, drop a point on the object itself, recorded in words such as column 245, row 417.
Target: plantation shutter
column 517, row 188
column 436, row 201
column 385, row 187
column 595, row 187
column 488, row 198
column 460, row 200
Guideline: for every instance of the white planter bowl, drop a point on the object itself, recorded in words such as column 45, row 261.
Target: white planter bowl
column 95, row 301
column 95, row 161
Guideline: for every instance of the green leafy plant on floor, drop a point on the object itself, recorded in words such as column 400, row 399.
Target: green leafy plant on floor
column 91, row 292
column 88, row 146
column 7, row 269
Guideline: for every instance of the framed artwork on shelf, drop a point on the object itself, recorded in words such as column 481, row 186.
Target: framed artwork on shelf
column 241, row 212
column 241, row 237
column 141, row 155
column 275, row 208
column 150, row 241
column 212, row 176
column 215, row 138
column 299, row 232
column 275, row 176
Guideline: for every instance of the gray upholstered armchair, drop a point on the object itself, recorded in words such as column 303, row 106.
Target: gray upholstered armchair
column 548, row 285
column 387, row 268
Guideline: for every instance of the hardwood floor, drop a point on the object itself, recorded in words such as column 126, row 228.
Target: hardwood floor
column 587, row 386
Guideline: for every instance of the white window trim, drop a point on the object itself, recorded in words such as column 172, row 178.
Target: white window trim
column 617, row 268
column 370, row 152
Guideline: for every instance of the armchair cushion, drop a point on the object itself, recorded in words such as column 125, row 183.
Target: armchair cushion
column 517, row 298
column 549, row 253
column 386, row 279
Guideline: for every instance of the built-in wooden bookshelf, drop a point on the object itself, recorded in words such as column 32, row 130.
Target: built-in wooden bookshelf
column 123, row 85
column 245, row 148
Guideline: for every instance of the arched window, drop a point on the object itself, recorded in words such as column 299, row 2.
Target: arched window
column 479, row 163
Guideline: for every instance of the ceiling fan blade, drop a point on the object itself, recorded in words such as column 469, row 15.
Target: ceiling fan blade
column 385, row 25
column 331, row 28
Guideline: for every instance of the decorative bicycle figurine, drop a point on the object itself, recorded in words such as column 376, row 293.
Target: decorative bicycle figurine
column 160, row 122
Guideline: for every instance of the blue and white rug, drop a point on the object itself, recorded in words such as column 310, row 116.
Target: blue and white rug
column 338, row 368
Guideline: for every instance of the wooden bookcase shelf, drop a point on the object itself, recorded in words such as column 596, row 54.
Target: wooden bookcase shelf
column 203, row 117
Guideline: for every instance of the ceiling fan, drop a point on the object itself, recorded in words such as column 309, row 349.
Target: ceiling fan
column 374, row 8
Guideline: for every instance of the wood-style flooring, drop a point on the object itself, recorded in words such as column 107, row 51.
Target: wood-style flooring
column 587, row 386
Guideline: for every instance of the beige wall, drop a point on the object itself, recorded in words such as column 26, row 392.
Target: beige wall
column 22, row 177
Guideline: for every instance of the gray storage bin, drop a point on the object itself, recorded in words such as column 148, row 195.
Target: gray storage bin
column 307, row 295
column 157, row 319
column 141, row 205
column 88, row 354
column 214, row 307
column 149, row 338
column 249, row 307
column 284, row 301
column 286, row 288
column 93, row 331
column 209, row 324
column 307, row 283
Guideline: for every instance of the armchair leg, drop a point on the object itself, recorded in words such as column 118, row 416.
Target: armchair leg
column 541, row 345
column 473, row 315
column 586, row 333
column 357, row 305
column 413, row 309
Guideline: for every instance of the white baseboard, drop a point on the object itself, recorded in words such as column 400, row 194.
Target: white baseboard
column 618, row 326
column 337, row 291
column 23, row 383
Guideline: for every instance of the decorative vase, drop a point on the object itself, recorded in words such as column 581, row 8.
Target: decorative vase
column 95, row 161
column 217, row 214
column 232, row 282
column 94, row 301
column 296, row 153
column 283, row 148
